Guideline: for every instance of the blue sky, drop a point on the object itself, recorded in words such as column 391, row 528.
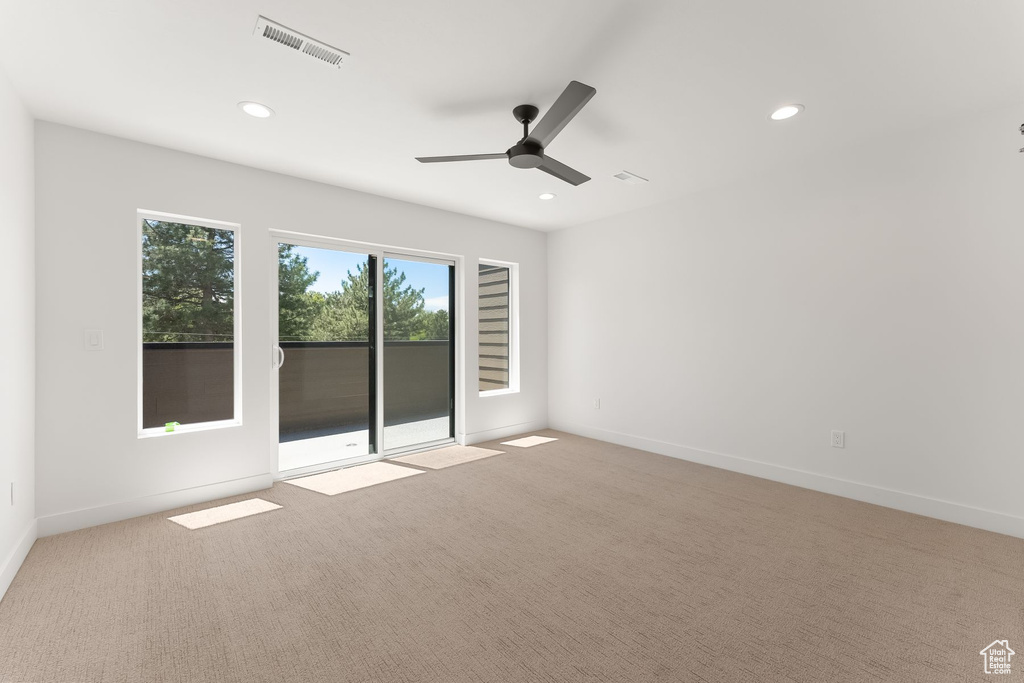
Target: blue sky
column 334, row 266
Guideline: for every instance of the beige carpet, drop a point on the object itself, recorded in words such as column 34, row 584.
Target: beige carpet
column 595, row 563
column 439, row 458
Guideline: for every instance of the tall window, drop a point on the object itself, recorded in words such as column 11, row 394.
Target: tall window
column 189, row 365
column 496, row 330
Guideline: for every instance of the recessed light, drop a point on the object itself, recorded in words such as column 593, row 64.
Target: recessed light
column 788, row 111
column 546, row 196
column 260, row 111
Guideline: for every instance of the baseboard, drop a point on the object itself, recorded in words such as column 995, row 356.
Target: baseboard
column 502, row 432
column 80, row 519
column 12, row 564
column 945, row 510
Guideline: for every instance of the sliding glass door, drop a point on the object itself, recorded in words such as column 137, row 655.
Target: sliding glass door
column 364, row 356
column 325, row 355
column 419, row 352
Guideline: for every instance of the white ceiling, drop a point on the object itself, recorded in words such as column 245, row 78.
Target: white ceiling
column 684, row 88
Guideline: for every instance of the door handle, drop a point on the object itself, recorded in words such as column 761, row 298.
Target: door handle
column 279, row 353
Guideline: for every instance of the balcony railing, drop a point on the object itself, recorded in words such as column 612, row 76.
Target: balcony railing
column 323, row 386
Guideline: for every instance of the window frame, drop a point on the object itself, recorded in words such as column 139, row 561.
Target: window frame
column 235, row 229
column 513, row 327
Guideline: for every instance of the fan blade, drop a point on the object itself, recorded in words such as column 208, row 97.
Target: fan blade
column 562, row 172
column 567, row 105
column 464, row 157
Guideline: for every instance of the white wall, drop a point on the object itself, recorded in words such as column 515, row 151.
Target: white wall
column 879, row 291
column 89, row 187
column 17, row 343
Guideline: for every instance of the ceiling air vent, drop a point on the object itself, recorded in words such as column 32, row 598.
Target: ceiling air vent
column 630, row 178
column 271, row 30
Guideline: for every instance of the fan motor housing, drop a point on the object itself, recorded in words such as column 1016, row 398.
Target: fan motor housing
column 525, row 155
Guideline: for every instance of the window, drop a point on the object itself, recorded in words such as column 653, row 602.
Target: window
column 188, row 360
column 496, row 331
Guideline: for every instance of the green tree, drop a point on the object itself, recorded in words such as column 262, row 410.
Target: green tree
column 188, row 288
column 188, row 293
column 346, row 313
column 403, row 306
column 433, row 325
column 298, row 309
column 336, row 320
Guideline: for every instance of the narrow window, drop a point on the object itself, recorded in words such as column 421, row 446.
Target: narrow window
column 189, row 359
column 497, row 334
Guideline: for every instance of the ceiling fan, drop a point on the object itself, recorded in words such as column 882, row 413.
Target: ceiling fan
column 529, row 152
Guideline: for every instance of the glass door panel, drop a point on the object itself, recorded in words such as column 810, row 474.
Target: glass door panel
column 326, row 356
column 419, row 366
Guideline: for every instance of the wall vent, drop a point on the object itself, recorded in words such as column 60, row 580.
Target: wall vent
column 630, row 178
column 271, row 30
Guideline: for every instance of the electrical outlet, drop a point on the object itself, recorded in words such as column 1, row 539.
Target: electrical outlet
column 838, row 439
column 597, row 404
column 94, row 340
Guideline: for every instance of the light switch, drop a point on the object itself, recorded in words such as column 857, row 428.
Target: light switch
column 93, row 340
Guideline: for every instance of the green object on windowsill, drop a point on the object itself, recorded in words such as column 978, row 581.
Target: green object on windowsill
column 171, row 425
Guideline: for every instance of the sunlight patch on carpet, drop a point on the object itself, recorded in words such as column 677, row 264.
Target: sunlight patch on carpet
column 352, row 478
column 224, row 513
column 446, row 457
column 528, row 441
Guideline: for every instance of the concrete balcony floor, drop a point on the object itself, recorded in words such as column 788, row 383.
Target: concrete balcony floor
column 307, row 449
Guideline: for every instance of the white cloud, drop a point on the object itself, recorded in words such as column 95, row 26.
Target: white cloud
column 436, row 303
